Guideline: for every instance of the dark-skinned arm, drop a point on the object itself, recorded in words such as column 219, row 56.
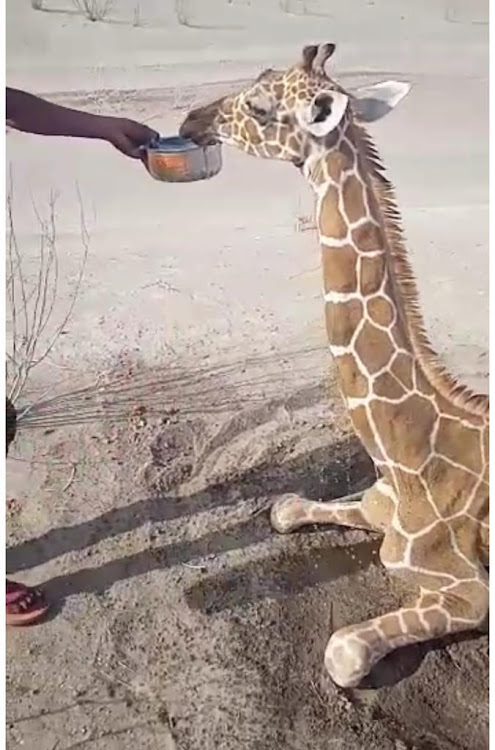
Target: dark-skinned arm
column 31, row 114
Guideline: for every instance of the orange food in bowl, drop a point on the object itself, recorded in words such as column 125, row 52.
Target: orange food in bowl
column 177, row 159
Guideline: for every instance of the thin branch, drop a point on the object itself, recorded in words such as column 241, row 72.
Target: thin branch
column 32, row 303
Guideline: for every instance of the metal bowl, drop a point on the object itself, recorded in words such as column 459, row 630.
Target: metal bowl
column 177, row 159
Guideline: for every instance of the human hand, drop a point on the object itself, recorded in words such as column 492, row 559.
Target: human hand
column 127, row 135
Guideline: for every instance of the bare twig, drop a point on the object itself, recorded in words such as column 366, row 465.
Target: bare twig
column 70, row 480
column 262, row 509
column 136, row 15
column 180, row 13
column 202, row 568
column 318, row 694
column 31, row 302
column 94, row 10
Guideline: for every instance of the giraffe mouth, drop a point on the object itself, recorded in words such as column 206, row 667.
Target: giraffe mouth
column 196, row 131
column 200, row 139
column 206, row 140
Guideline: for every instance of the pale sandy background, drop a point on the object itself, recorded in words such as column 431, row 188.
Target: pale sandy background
column 194, row 276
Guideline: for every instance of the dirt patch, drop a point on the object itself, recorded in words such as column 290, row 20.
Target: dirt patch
column 183, row 621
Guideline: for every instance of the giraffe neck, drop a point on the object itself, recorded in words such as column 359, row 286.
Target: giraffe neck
column 366, row 321
column 372, row 304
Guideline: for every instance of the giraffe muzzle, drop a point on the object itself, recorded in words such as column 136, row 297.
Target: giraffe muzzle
column 198, row 129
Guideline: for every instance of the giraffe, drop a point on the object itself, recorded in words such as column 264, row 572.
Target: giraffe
column 426, row 433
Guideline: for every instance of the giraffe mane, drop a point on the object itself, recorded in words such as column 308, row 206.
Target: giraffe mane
column 434, row 369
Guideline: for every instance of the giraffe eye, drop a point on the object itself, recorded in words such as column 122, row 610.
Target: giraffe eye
column 259, row 112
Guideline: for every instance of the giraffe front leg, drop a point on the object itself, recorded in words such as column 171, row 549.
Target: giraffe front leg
column 370, row 510
column 353, row 651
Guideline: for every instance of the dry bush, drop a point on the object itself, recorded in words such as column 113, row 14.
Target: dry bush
column 136, row 15
column 31, row 299
column 95, row 10
column 181, row 13
column 301, row 9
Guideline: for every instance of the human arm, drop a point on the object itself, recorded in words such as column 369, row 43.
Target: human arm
column 31, row 114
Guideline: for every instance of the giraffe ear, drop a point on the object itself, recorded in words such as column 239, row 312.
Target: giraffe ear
column 324, row 113
column 374, row 102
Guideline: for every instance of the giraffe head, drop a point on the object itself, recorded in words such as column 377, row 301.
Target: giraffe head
column 290, row 114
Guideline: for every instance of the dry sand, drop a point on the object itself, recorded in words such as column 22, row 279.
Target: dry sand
column 183, row 621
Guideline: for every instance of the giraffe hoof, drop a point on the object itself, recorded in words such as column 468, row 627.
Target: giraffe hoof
column 347, row 660
column 286, row 514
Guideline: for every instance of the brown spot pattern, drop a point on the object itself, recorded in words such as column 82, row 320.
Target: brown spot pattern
column 352, row 195
column 386, row 385
column 430, row 600
column 467, row 535
column 336, row 161
column 412, row 621
column 347, row 153
column 381, row 310
column 405, row 429
column 363, row 429
column 332, row 223
column 460, row 443
column 372, row 273
column 390, row 626
column 373, row 347
column 352, row 382
column 436, row 620
column 434, row 551
column 449, row 486
column 293, row 143
column 401, row 367
column 367, row 238
column 252, row 132
column 473, row 606
column 342, row 319
column 414, row 510
column 339, row 269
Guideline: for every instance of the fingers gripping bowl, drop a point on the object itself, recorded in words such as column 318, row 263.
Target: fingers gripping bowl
column 177, row 159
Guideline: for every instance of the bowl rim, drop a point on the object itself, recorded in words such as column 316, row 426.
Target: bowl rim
column 175, row 144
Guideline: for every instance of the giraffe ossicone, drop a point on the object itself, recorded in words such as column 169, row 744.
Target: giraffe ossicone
column 426, row 433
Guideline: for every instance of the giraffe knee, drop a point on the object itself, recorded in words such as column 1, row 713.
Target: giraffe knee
column 286, row 514
column 347, row 659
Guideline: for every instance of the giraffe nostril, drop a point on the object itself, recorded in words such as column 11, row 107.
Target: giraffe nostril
column 190, row 129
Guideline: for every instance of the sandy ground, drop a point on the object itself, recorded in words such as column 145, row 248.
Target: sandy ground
column 183, row 621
